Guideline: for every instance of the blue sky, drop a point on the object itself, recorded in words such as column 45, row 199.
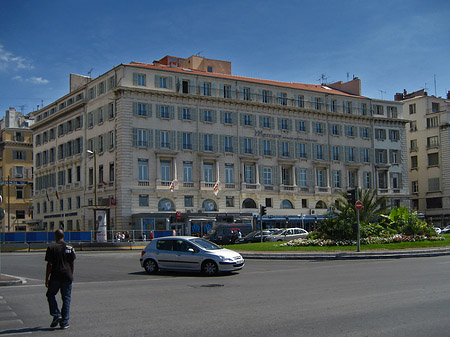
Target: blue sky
column 390, row 45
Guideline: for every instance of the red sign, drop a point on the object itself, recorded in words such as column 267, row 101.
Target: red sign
column 359, row 205
column 178, row 215
column 113, row 201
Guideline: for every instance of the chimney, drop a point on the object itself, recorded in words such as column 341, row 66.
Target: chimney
column 398, row 97
column 448, row 95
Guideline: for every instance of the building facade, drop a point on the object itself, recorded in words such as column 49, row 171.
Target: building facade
column 16, row 171
column 184, row 142
column 428, row 142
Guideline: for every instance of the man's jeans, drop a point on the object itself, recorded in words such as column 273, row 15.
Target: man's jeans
column 66, row 289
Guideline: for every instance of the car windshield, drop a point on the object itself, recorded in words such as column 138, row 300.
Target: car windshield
column 205, row 244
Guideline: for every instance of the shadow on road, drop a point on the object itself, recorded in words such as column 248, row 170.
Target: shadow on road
column 181, row 274
column 26, row 330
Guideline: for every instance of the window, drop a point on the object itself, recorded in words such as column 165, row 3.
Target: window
column 302, row 178
column 432, row 142
column 165, row 139
column 352, row 179
column 435, row 107
column 143, row 169
column 69, row 204
column 368, row 180
column 229, row 201
column 229, row 173
column 285, row 149
column 141, row 109
column 394, row 157
column 185, row 87
column 143, row 200
column 392, row 112
column 282, row 98
column 301, row 126
column 317, row 103
column 381, row 156
column 19, row 155
column 246, row 94
column 141, row 138
column 186, row 114
column 412, row 109
column 139, row 79
column 333, row 105
column 414, row 162
column 321, row 176
column 162, row 82
column 208, row 172
column 350, row 131
column 207, row 89
column 433, row 159
column 412, row 126
column 351, row 154
column 394, row 135
column 164, row 111
column 432, row 122
column 228, row 144
column 302, row 150
column 380, row 134
column 286, row 204
column 188, row 201
column 78, row 173
column 166, row 170
column 267, row 147
column 284, row 124
column 337, row 179
column 248, row 146
column 187, row 171
column 363, row 109
column 335, row 130
column 433, row 185
column 247, row 120
column 300, row 101
column 207, row 116
column 227, row 118
column 266, row 122
column 19, row 192
column 249, row 174
column 415, row 186
column 348, row 107
column 207, row 143
column 209, row 69
column 365, row 132
column 319, row 128
column 111, row 172
column 267, row 173
column 286, row 175
column 335, row 154
column 413, row 144
column 379, row 110
column 382, row 179
column 319, row 152
column 265, row 96
column 187, row 143
column 227, row 91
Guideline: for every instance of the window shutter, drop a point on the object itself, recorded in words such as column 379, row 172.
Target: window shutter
column 261, row 173
column 173, row 137
column 149, row 110
column 222, row 118
column 180, row 113
column 135, row 78
column 157, row 81
column 308, row 150
column 215, row 143
column 253, row 120
column 275, row 175
column 241, row 145
column 172, row 112
column 158, row 110
column 241, row 119
column 234, row 117
column 310, row 178
column 169, row 82
column 235, row 144
column 290, row 124
column 158, row 139
column 233, row 91
column 134, row 137
column 221, row 143
column 291, row 149
column 214, row 116
column 201, row 141
column 261, row 121
column 195, row 141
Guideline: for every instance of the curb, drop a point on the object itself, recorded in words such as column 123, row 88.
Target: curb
column 345, row 255
column 9, row 280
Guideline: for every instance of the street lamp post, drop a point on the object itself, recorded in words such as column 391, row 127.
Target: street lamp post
column 95, row 175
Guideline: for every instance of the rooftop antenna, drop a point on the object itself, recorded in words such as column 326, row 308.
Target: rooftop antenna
column 323, row 79
column 198, row 54
column 90, row 72
column 381, row 92
column 435, row 92
column 22, row 108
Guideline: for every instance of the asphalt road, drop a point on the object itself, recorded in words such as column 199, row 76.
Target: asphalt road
column 112, row 296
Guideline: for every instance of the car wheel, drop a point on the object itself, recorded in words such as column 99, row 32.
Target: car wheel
column 279, row 240
column 209, row 268
column 150, row 266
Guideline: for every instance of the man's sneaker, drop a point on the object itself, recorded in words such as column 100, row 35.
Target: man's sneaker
column 64, row 325
column 55, row 322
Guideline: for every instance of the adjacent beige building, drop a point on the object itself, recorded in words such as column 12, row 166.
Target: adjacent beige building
column 187, row 136
column 428, row 148
column 16, row 171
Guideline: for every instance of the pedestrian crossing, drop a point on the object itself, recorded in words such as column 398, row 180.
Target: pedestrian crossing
column 10, row 323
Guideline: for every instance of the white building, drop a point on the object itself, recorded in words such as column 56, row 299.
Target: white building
column 185, row 135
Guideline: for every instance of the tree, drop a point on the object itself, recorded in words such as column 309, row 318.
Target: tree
column 342, row 221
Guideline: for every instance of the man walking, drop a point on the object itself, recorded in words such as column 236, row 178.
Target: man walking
column 58, row 277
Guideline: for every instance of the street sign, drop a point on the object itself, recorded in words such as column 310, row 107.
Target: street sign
column 178, row 215
column 359, row 205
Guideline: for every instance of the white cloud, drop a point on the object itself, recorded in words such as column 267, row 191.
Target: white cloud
column 32, row 80
column 10, row 61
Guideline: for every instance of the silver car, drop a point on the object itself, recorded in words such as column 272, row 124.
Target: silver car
column 187, row 253
column 288, row 234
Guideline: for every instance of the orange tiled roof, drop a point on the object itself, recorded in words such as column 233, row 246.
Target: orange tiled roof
column 293, row 85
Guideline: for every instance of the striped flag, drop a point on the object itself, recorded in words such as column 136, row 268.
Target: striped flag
column 172, row 186
column 57, row 196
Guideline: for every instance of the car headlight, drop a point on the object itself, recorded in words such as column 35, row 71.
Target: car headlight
column 227, row 259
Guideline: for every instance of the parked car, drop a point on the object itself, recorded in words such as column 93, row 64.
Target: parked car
column 288, row 234
column 437, row 230
column 445, row 230
column 187, row 253
column 254, row 237
column 228, row 233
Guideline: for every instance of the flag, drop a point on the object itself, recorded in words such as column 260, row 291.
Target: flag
column 216, row 188
column 46, row 193
column 172, row 186
column 57, row 196
column 104, row 182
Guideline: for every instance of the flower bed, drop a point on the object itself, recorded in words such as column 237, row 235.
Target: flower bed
column 365, row 241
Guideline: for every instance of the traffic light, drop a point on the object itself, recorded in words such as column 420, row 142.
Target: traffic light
column 351, row 196
column 262, row 210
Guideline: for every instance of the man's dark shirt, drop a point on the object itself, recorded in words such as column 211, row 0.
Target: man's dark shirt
column 61, row 256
